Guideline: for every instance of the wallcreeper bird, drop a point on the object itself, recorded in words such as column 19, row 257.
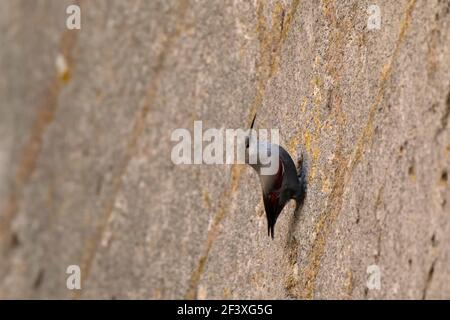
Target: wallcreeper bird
column 287, row 183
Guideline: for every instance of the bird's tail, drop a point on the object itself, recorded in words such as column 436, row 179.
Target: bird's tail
column 271, row 220
column 270, row 229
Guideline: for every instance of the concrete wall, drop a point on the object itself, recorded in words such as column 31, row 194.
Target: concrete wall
column 86, row 177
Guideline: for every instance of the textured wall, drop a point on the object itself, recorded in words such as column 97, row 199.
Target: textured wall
column 85, row 170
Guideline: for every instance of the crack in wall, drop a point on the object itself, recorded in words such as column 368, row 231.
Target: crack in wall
column 445, row 116
column 429, row 279
column 344, row 172
column 311, row 139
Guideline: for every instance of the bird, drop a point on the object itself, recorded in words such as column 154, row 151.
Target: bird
column 287, row 183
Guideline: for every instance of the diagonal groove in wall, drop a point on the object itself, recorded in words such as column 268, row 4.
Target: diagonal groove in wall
column 92, row 244
column 328, row 217
column 271, row 42
column 29, row 155
column 334, row 56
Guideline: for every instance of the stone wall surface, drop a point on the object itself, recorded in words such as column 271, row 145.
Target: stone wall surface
column 86, row 176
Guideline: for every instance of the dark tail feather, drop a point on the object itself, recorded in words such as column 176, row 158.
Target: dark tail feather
column 271, row 228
